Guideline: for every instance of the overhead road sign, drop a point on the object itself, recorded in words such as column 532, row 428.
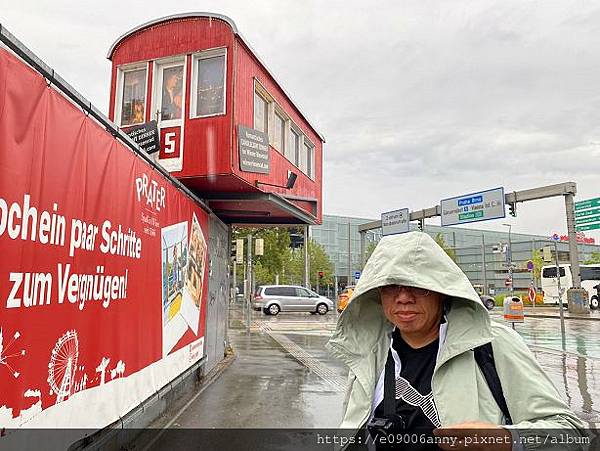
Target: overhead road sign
column 586, row 227
column 394, row 222
column 473, row 207
column 583, row 213
column 589, row 203
column 587, row 219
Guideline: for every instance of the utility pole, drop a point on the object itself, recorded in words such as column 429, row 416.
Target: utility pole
column 573, row 251
column 560, row 303
column 483, row 263
column 510, row 262
column 235, row 279
column 306, row 259
column 249, row 284
column 362, row 250
column 349, row 257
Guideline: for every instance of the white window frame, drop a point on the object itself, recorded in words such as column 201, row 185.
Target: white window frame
column 284, row 132
column 296, row 131
column 290, row 127
column 310, row 163
column 121, row 70
column 157, row 71
column 207, row 54
column 260, row 90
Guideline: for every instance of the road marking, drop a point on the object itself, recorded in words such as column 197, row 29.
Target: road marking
column 553, row 351
column 337, row 383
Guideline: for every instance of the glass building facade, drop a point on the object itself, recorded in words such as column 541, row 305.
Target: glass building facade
column 482, row 254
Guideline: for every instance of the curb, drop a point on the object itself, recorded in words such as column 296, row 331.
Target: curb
column 584, row 318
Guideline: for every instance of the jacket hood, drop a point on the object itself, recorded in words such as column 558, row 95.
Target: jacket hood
column 411, row 259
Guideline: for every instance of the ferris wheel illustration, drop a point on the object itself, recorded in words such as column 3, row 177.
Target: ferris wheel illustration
column 62, row 365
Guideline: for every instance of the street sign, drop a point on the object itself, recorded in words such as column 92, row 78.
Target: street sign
column 508, row 282
column 531, row 294
column 473, row 207
column 393, row 222
column 259, row 246
column 593, row 211
column 589, row 203
column 583, row 228
column 239, row 251
column 530, row 265
column 587, row 219
column 547, row 253
column 357, row 275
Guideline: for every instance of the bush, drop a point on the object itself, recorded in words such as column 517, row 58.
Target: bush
column 524, row 295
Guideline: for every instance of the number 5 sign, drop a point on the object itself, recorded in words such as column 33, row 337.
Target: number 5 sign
column 170, row 154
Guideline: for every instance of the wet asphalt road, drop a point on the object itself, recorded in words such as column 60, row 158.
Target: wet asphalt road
column 284, row 378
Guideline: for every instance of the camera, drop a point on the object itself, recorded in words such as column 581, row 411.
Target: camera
column 381, row 426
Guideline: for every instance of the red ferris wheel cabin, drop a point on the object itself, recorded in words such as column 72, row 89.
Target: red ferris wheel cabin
column 228, row 130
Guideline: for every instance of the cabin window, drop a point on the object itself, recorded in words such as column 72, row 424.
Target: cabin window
column 292, row 151
column 310, row 160
column 172, row 93
column 132, row 94
column 284, row 135
column 261, row 113
column 304, row 158
column 208, row 95
column 279, row 133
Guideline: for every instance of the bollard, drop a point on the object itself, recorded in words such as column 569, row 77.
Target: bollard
column 513, row 310
column 577, row 299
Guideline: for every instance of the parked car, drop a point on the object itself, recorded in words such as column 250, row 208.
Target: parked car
column 488, row 301
column 344, row 297
column 272, row 299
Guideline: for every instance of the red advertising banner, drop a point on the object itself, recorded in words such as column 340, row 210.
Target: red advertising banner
column 103, row 268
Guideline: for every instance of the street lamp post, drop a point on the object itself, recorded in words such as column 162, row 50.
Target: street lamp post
column 510, row 264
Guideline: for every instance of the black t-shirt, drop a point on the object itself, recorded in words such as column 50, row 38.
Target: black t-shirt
column 416, row 405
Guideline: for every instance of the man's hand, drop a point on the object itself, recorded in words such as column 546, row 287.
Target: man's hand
column 474, row 435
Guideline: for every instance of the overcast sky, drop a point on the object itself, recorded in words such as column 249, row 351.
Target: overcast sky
column 418, row 100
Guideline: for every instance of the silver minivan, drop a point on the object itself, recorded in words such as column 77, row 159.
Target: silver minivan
column 272, row 299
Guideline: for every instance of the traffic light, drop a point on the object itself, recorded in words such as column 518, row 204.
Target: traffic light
column 512, row 209
column 321, row 274
column 421, row 224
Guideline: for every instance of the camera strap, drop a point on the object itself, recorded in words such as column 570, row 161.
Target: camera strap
column 389, row 386
column 484, row 356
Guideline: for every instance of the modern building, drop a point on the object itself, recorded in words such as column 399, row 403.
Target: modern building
column 482, row 254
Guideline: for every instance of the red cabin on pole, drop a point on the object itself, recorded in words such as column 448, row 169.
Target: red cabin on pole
column 227, row 128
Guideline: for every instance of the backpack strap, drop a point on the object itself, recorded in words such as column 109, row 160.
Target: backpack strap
column 484, row 356
column 389, row 386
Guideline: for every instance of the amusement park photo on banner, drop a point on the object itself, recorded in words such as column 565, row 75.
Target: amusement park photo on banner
column 182, row 281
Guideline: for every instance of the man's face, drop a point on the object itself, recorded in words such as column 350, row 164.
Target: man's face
column 412, row 310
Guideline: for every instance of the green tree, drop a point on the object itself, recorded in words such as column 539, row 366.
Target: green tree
column 319, row 261
column 370, row 248
column 594, row 258
column 277, row 253
column 538, row 262
column 439, row 239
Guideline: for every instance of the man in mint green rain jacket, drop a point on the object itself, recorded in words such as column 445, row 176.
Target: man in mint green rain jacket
column 413, row 295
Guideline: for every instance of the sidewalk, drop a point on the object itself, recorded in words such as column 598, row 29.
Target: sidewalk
column 553, row 312
column 278, row 384
column 283, row 384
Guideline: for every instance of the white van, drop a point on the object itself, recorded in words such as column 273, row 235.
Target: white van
column 590, row 277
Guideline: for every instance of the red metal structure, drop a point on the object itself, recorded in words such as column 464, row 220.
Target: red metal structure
column 214, row 100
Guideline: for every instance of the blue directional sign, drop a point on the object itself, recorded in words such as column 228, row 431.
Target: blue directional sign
column 357, row 275
column 473, row 207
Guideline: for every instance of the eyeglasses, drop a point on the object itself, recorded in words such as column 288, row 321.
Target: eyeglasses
column 394, row 290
